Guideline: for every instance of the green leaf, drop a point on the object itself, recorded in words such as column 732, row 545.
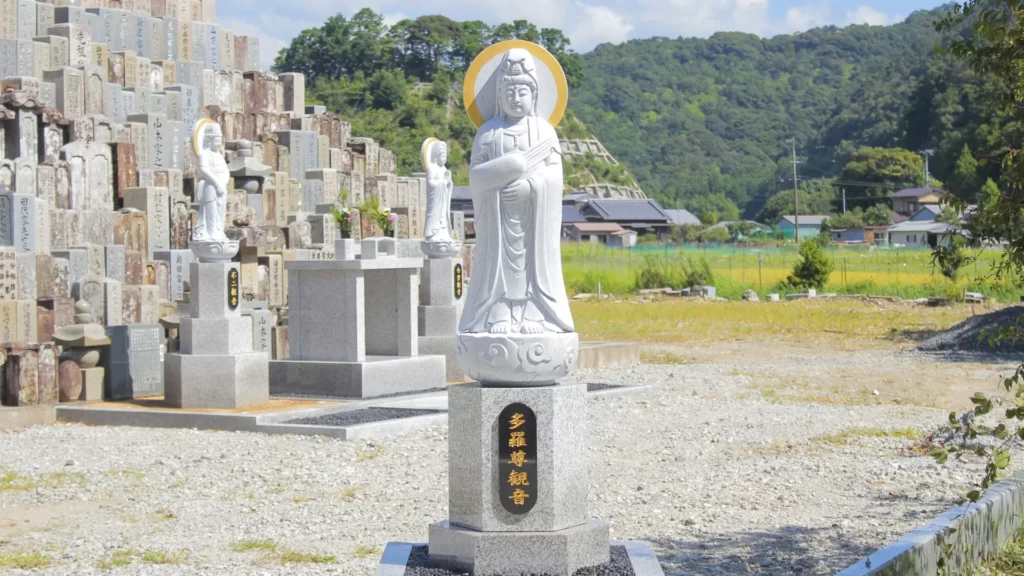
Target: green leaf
column 979, row 398
column 940, row 455
column 974, row 496
column 1002, row 459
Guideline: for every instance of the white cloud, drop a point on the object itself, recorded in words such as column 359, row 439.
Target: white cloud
column 800, row 18
column 598, row 24
column 867, row 15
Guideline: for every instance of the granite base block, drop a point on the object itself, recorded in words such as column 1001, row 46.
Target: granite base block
column 216, row 336
column 559, row 553
column 473, row 466
column 209, row 283
column 378, row 376
column 217, row 382
column 92, row 384
column 438, row 321
column 447, row 346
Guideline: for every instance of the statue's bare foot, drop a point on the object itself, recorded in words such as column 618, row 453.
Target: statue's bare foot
column 532, row 328
column 501, row 328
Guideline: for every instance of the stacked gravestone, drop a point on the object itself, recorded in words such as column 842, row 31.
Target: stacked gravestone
column 98, row 104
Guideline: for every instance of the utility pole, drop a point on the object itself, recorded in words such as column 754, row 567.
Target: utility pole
column 796, row 193
column 927, row 173
column 844, row 200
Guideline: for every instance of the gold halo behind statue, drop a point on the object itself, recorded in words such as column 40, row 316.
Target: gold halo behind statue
column 425, row 151
column 197, row 134
column 479, row 89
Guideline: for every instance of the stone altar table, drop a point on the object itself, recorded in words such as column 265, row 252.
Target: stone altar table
column 352, row 326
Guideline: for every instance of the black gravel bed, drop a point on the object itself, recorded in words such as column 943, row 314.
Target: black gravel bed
column 972, row 335
column 363, row 416
column 384, row 397
column 598, row 387
column 619, row 566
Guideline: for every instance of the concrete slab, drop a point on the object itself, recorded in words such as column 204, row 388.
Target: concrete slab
column 594, row 355
column 975, row 532
column 377, row 376
column 16, row 418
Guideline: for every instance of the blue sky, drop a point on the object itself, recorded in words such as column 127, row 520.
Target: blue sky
column 587, row 22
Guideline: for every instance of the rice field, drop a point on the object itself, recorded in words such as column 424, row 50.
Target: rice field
column 906, row 272
column 688, row 321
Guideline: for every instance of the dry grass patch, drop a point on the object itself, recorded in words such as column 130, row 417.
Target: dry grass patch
column 117, row 559
column 664, row 357
column 24, row 560
column 686, row 321
column 363, row 552
column 851, row 435
column 268, row 546
column 161, row 557
column 296, row 557
column 367, row 454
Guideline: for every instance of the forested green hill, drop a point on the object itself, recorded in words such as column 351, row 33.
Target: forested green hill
column 703, row 124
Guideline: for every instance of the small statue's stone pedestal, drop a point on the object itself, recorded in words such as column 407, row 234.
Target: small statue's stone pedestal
column 352, row 326
column 216, row 367
column 441, row 289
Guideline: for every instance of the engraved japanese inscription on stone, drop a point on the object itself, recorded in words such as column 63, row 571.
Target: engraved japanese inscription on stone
column 517, row 458
column 233, row 288
column 458, row 281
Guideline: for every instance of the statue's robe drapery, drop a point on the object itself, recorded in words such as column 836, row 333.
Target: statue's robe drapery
column 504, row 244
column 439, row 200
column 210, row 225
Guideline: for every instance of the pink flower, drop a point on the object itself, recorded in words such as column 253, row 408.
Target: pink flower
column 391, row 218
column 351, row 218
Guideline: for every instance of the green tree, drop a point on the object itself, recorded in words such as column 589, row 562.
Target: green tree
column 717, row 235
column 816, row 197
column 388, row 90
column 963, row 182
column 878, row 172
column 710, row 217
column 813, row 270
column 993, row 48
column 852, row 219
column 952, row 257
column 878, row 215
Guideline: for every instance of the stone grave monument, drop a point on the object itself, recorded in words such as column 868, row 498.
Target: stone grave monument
column 352, row 326
column 441, row 285
column 215, row 366
column 81, row 376
column 517, row 438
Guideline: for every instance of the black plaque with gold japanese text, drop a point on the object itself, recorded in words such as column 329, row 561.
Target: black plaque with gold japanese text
column 517, row 458
column 233, row 288
column 458, row 281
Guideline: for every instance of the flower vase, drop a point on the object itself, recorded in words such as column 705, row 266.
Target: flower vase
column 389, row 233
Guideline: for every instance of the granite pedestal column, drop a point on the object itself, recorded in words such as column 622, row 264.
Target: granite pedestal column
column 216, row 367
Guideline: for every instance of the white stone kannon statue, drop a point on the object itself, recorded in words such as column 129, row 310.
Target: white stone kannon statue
column 516, row 328
column 437, row 231
column 209, row 242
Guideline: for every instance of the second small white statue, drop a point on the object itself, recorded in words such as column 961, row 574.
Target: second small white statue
column 437, row 232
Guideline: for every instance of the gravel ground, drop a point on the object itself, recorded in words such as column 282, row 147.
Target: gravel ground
column 362, row 416
column 726, row 467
